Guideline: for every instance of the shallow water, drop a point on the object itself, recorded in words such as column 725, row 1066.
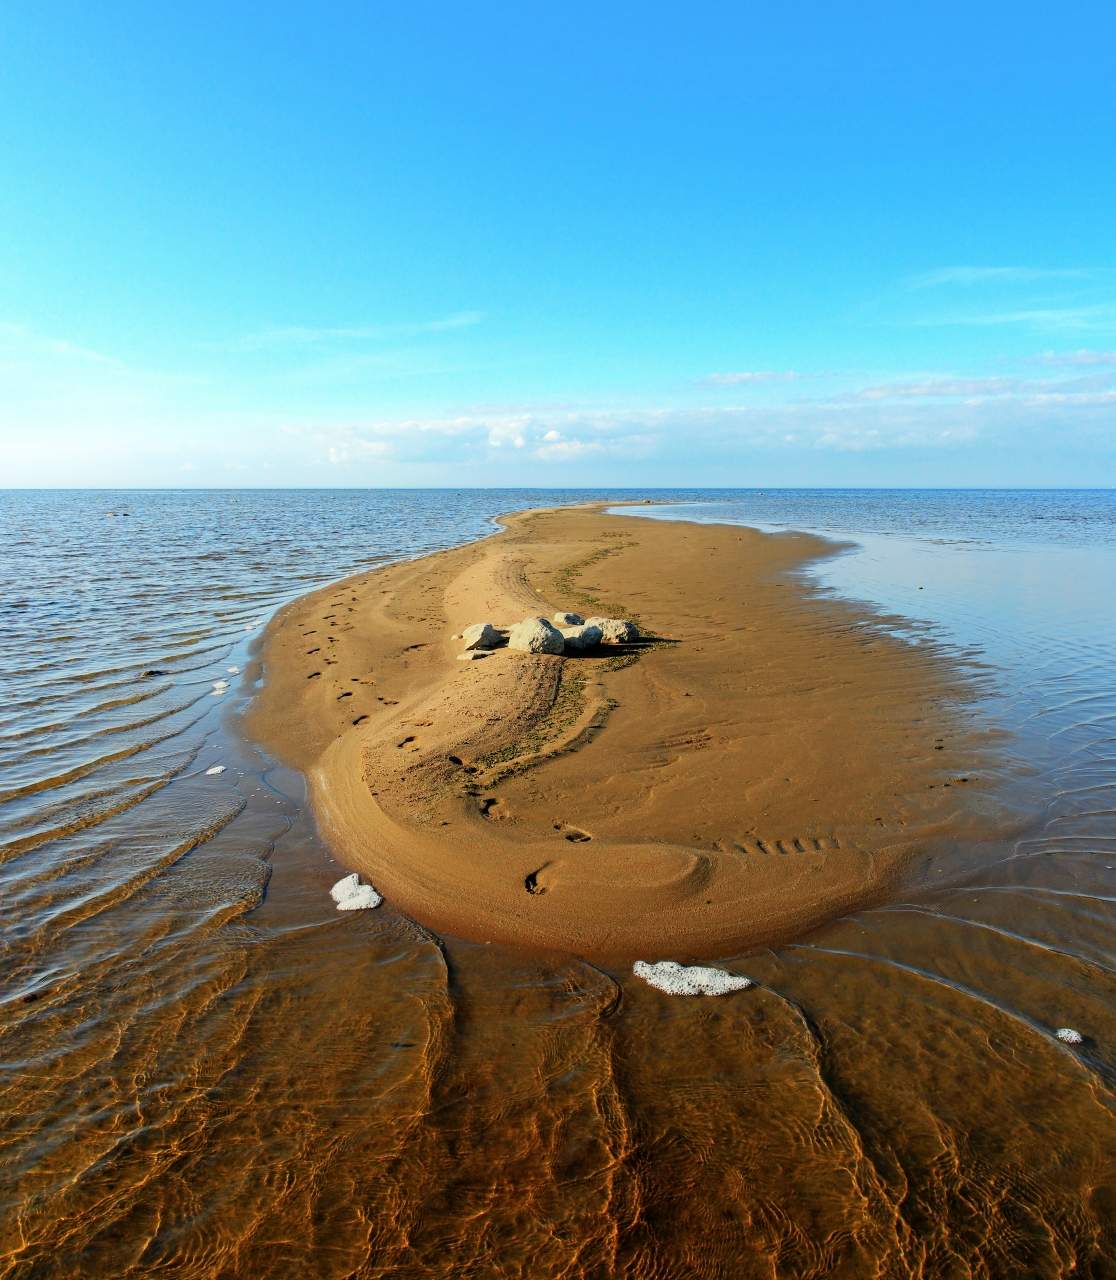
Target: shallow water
column 208, row 1071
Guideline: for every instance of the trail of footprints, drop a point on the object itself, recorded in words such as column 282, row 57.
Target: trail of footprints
column 332, row 662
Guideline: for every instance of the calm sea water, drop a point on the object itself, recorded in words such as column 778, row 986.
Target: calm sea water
column 208, row 1072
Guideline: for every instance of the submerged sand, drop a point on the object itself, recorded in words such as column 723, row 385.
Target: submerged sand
column 768, row 759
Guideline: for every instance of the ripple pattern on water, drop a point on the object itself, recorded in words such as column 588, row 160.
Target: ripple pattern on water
column 207, row 1071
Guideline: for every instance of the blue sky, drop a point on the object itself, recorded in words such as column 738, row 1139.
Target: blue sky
column 567, row 244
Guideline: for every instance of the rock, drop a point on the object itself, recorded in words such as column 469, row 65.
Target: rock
column 481, row 635
column 214, row 770
column 536, row 635
column 1068, row 1035
column 615, row 630
column 693, row 980
column 587, row 636
column 473, row 655
column 351, row 895
column 568, row 619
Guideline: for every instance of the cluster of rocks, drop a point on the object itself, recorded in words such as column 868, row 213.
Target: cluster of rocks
column 565, row 633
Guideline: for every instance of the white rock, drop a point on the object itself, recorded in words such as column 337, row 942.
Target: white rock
column 351, row 895
column 568, row 619
column 1067, row 1035
column 481, row 635
column 217, row 768
column 586, row 636
column 615, row 630
column 689, row 980
column 536, row 635
column 235, row 671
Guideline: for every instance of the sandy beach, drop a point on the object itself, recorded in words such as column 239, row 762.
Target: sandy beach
column 764, row 759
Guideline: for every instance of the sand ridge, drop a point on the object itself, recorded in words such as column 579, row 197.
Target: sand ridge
column 771, row 759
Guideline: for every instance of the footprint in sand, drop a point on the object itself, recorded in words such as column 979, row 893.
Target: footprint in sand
column 494, row 809
column 535, row 882
column 574, row 834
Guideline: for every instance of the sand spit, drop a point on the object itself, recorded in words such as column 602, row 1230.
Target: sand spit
column 763, row 759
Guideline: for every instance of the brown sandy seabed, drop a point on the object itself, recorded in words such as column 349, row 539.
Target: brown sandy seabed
column 759, row 765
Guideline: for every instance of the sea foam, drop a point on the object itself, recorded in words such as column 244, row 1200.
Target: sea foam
column 351, row 895
column 689, row 980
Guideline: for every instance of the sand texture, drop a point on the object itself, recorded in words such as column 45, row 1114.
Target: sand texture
column 766, row 759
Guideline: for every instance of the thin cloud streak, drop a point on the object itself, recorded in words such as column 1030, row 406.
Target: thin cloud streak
column 1082, row 358
column 24, row 343
column 312, row 336
column 756, row 376
column 967, row 276
column 1100, row 317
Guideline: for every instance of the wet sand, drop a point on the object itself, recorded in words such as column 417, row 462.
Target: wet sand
column 763, row 761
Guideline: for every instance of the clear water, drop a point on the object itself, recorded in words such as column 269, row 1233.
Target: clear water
column 1025, row 581
column 207, row 1071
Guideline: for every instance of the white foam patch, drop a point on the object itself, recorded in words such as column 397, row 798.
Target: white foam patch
column 233, row 671
column 351, row 895
column 219, row 687
column 1067, row 1035
column 689, row 980
column 217, row 768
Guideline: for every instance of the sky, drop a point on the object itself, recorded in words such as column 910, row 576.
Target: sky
column 569, row 244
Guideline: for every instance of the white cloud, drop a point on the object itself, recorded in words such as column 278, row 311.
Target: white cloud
column 939, row 411
column 568, row 450
column 936, row 388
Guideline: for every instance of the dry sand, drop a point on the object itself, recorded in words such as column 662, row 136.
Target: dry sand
column 775, row 758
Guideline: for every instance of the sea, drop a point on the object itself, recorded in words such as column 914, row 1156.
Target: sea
column 207, row 1071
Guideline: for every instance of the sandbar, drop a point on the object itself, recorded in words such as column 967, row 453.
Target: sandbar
column 767, row 758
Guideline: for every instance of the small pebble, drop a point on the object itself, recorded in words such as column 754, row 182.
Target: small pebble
column 217, row 768
column 1067, row 1035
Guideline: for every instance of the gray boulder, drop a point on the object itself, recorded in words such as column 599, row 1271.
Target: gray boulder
column 568, row 619
column 615, row 630
column 586, row 636
column 481, row 635
column 536, row 635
